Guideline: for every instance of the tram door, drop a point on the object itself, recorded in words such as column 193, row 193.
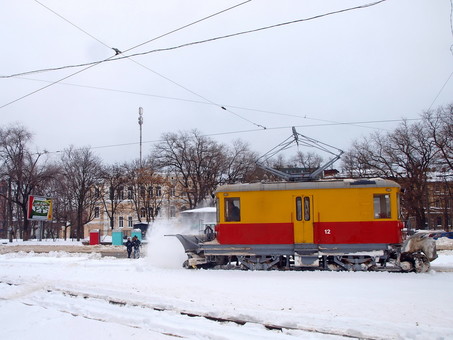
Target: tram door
column 303, row 221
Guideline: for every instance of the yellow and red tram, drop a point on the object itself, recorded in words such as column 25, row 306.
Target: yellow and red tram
column 337, row 224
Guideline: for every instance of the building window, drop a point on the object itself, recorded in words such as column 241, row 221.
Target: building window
column 121, row 222
column 121, row 193
column 172, row 211
column 232, row 209
column 142, row 191
column 129, row 221
column 129, row 193
column 150, row 191
column 381, row 206
column 96, row 212
column 158, row 191
column 142, row 213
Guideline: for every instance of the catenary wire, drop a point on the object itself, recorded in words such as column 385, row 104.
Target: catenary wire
column 251, row 130
column 227, row 36
column 305, row 116
column 212, row 39
column 107, row 59
column 451, row 50
column 440, row 91
column 335, row 123
column 116, row 58
column 71, row 23
column 157, row 73
column 208, row 101
column 116, row 50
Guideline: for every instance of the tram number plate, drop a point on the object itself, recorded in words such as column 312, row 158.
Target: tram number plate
column 327, row 231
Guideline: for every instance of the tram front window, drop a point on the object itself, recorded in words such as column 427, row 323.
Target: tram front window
column 232, row 209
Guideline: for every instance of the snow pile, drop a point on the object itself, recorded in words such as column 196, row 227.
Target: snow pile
column 46, row 242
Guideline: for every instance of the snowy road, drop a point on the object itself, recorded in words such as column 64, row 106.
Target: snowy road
column 73, row 296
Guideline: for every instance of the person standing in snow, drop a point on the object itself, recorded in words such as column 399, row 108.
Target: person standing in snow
column 136, row 244
column 129, row 246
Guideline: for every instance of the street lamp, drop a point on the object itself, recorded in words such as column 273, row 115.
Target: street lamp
column 140, row 122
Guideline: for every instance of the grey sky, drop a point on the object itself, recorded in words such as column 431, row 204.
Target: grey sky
column 379, row 63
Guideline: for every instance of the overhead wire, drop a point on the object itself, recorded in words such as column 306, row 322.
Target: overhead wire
column 71, row 23
column 155, row 38
column 206, row 102
column 116, row 57
column 107, row 59
column 117, row 51
column 157, row 73
column 451, row 50
column 440, row 91
column 124, row 56
column 160, row 75
column 212, row 39
column 255, row 130
column 47, row 86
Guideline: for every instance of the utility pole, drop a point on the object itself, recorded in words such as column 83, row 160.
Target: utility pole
column 140, row 122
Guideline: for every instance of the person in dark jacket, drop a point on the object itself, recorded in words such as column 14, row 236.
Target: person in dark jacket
column 136, row 244
column 129, row 247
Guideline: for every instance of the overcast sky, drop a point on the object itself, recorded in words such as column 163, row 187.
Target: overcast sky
column 370, row 65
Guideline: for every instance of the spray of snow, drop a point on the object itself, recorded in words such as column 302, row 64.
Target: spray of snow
column 163, row 249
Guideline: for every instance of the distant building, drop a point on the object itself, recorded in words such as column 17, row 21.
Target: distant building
column 440, row 197
column 137, row 205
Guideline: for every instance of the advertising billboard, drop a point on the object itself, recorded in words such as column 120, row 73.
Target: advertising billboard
column 39, row 208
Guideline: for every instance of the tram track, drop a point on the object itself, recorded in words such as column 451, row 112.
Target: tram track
column 154, row 306
column 39, row 296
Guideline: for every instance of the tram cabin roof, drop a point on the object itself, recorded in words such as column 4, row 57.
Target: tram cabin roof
column 322, row 184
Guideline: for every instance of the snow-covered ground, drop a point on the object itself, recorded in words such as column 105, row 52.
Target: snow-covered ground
column 61, row 295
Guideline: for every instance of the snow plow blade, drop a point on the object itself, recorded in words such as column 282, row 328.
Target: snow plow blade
column 191, row 243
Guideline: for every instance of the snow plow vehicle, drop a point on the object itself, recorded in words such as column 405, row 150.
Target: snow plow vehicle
column 325, row 224
column 303, row 222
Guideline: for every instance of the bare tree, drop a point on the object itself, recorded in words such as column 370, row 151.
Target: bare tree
column 240, row 163
column 440, row 127
column 81, row 173
column 307, row 160
column 111, row 189
column 196, row 162
column 405, row 155
column 25, row 172
column 62, row 213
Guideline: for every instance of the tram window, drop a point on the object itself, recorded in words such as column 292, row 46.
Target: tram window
column 232, row 209
column 382, row 206
column 217, row 210
column 398, row 201
column 307, row 208
column 299, row 208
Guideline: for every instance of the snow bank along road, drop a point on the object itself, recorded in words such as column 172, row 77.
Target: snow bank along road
column 63, row 295
column 49, row 246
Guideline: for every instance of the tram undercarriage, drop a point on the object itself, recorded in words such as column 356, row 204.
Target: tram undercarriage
column 364, row 257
